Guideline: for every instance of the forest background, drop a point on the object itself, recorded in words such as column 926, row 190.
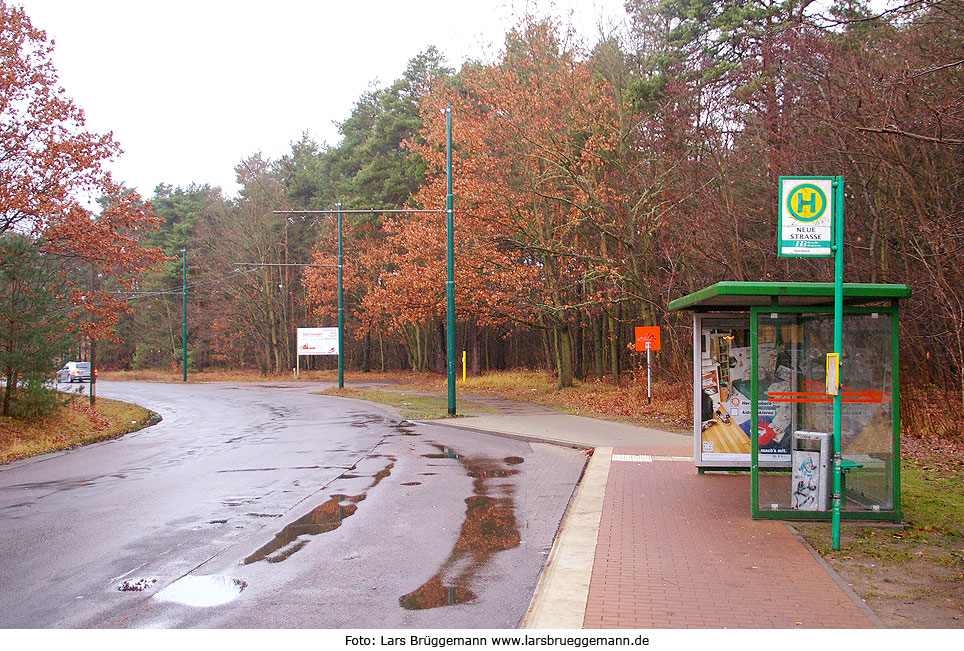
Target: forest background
column 594, row 183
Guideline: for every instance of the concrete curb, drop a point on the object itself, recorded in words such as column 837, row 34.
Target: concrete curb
column 860, row 603
column 509, row 435
column 562, row 593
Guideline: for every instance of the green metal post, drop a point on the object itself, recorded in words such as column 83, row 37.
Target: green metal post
column 754, row 413
column 184, row 314
column 450, row 259
column 895, row 403
column 341, row 309
column 838, row 194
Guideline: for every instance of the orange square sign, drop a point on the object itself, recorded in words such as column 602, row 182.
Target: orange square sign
column 647, row 334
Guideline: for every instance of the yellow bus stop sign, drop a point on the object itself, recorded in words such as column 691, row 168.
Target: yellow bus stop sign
column 806, row 216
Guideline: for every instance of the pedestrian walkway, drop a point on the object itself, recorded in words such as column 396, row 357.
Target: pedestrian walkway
column 648, row 542
column 677, row 549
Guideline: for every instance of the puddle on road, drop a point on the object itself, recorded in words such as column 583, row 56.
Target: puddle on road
column 489, row 527
column 364, row 420
column 248, row 469
column 404, row 429
column 202, row 591
column 435, row 595
column 445, row 453
column 275, row 469
column 382, row 474
column 137, row 585
column 240, row 500
column 322, row 519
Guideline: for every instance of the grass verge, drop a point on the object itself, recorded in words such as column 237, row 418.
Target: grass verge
column 413, row 406
column 74, row 424
column 249, row 375
column 625, row 402
column 911, row 576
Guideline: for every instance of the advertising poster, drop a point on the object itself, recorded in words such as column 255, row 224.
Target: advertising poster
column 726, row 390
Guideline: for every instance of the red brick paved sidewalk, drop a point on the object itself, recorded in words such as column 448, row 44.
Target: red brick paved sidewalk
column 677, row 549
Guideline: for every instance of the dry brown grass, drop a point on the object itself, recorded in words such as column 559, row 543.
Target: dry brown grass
column 74, row 424
column 627, row 401
column 250, row 375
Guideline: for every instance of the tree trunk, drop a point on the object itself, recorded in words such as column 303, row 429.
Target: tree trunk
column 367, row 352
column 441, row 347
column 547, row 347
column 613, row 348
column 563, row 341
column 417, row 362
column 172, row 338
column 475, row 363
column 577, row 366
column 8, row 390
column 597, row 348
column 381, row 349
column 485, row 343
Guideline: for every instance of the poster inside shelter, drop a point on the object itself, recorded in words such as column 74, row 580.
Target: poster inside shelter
column 726, row 410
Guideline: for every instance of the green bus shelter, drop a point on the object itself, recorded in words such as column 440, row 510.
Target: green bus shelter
column 760, row 400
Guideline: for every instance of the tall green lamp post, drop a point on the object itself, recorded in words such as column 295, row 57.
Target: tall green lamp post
column 450, row 259
column 341, row 309
column 184, row 314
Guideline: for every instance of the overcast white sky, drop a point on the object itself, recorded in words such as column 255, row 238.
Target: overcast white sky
column 189, row 88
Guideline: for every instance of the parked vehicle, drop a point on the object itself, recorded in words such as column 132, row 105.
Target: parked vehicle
column 74, row 372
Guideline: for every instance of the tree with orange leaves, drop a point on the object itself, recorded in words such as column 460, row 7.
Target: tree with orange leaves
column 527, row 137
column 51, row 170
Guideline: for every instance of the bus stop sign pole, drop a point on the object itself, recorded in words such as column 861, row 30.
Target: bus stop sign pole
column 838, row 198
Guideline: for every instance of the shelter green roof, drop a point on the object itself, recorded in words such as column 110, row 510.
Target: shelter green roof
column 732, row 295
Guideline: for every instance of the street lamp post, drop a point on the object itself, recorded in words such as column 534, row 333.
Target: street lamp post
column 450, row 262
column 184, row 314
column 341, row 309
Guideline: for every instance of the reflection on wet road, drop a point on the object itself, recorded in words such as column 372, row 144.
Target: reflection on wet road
column 321, row 519
column 272, row 506
column 489, row 527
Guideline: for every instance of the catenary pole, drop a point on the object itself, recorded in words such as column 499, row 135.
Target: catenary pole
column 341, row 309
column 184, row 314
column 450, row 262
column 93, row 344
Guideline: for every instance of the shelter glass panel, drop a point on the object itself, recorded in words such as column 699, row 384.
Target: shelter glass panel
column 795, row 413
column 867, row 421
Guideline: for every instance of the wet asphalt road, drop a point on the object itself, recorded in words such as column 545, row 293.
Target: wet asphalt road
column 268, row 506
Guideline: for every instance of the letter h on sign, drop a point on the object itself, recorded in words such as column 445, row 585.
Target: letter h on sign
column 811, row 201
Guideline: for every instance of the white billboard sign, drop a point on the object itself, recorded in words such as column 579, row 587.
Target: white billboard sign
column 317, row 341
